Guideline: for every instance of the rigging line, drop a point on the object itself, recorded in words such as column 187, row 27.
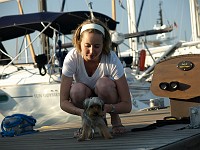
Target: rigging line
column 24, row 38
column 57, row 31
column 128, row 46
column 24, row 48
column 136, row 24
column 62, row 6
column 54, row 29
column 89, row 5
column 140, row 13
column 6, row 54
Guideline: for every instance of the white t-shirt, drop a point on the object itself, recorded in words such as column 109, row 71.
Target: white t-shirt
column 110, row 66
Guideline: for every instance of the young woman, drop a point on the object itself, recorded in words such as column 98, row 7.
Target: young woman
column 93, row 69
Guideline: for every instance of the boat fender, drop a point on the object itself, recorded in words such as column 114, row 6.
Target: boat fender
column 17, row 124
column 41, row 61
column 142, row 60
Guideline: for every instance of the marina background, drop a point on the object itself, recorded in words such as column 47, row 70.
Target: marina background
column 175, row 13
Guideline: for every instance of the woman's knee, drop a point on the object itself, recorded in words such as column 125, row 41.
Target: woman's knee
column 104, row 83
column 78, row 93
column 106, row 89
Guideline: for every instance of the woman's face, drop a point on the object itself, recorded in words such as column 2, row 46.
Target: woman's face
column 91, row 46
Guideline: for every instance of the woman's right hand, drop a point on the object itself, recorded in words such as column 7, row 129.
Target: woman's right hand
column 81, row 112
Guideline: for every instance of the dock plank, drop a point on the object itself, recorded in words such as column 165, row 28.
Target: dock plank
column 61, row 136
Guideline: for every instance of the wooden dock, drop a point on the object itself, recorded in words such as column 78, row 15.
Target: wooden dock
column 61, row 136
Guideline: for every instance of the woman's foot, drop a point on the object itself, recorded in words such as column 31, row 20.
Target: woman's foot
column 117, row 127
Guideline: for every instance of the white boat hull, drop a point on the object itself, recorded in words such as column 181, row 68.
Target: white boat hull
column 29, row 93
column 38, row 100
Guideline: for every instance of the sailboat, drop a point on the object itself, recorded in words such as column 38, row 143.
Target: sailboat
column 162, row 38
column 160, row 52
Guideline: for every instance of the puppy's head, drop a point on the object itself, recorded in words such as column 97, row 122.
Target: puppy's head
column 93, row 106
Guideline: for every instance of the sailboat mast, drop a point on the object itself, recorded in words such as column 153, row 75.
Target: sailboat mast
column 44, row 38
column 132, row 27
column 160, row 15
column 113, row 10
column 42, row 5
column 27, row 36
column 194, row 20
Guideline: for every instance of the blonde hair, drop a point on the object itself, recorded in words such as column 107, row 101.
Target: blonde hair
column 77, row 37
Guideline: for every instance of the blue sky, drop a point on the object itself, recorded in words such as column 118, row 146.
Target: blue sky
column 173, row 11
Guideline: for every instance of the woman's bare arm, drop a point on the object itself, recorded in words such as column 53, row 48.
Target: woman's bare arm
column 65, row 103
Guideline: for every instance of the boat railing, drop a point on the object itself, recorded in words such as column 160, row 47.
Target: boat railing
column 167, row 53
column 13, row 59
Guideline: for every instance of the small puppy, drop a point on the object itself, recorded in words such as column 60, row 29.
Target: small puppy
column 93, row 118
